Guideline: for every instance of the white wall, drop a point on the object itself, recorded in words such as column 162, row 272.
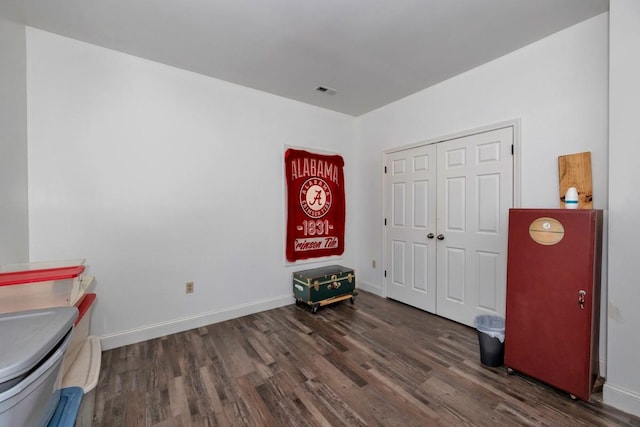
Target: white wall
column 622, row 388
column 557, row 87
column 14, row 238
column 158, row 176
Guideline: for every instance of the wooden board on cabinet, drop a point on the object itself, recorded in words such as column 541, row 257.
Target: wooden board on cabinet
column 574, row 170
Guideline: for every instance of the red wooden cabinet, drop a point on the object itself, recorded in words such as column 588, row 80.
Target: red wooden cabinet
column 553, row 296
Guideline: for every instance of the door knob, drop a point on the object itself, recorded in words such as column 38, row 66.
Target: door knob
column 440, row 236
column 430, row 236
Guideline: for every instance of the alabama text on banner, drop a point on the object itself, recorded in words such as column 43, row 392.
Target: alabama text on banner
column 315, row 204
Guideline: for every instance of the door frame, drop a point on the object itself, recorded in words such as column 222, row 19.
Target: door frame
column 514, row 123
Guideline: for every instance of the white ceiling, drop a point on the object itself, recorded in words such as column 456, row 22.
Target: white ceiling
column 372, row 52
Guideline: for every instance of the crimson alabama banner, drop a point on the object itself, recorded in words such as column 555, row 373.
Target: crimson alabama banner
column 315, row 204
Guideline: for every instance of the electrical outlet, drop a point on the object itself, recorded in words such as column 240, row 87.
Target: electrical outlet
column 188, row 289
column 373, row 264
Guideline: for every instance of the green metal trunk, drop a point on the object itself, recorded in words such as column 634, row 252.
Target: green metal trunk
column 320, row 286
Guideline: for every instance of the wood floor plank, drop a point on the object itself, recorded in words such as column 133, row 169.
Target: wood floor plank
column 212, row 400
column 373, row 363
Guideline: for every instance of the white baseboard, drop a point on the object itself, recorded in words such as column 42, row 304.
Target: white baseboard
column 365, row 286
column 132, row 336
column 625, row 400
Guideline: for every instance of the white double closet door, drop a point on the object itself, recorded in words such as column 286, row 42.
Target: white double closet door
column 446, row 211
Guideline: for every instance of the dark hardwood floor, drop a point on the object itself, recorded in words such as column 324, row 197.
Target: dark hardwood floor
column 376, row 362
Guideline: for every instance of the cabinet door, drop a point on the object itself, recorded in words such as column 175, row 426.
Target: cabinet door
column 553, row 296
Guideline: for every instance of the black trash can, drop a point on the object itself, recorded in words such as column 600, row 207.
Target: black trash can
column 491, row 338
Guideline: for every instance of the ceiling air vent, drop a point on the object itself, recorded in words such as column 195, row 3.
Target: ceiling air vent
column 326, row 90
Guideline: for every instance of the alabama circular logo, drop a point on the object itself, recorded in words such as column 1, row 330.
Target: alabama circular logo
column 315, row 197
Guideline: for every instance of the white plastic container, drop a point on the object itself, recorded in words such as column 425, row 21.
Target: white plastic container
column 29, row 289
column 80, row 331
column 84, row 373
column 571, row 198
column 33, row 346
column 40, row 265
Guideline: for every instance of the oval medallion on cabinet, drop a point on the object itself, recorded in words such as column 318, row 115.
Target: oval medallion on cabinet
column 546, row 231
